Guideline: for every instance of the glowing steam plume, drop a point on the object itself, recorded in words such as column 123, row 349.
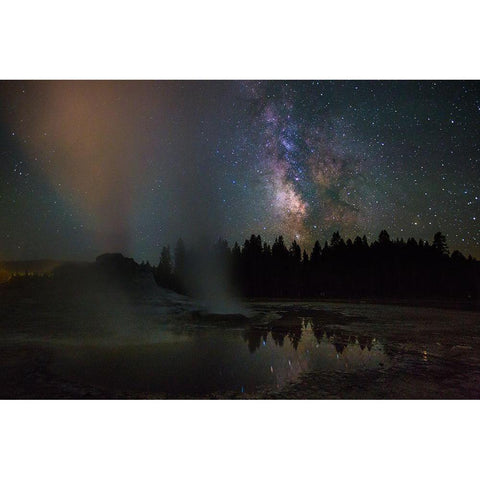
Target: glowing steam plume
column 88, row 139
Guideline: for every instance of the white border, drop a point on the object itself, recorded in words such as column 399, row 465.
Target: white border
column 238, row 40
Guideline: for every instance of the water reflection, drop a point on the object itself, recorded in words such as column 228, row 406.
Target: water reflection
column 293, row 328
column 200, row 359
column 425, row 355
column 254, row 338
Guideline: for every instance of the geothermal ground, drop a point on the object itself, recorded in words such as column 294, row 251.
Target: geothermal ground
column 156, row 344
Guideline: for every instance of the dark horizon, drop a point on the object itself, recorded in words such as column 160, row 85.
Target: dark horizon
column 220, row 272
column 230, row 243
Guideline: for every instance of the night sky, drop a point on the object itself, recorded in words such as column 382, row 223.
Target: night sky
column 89, row 167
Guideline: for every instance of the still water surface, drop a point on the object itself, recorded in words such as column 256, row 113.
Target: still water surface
column 201, row 360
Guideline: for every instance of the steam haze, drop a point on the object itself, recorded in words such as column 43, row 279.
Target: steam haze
column 106, row 148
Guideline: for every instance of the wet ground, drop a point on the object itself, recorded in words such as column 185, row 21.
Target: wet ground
column 58, row 348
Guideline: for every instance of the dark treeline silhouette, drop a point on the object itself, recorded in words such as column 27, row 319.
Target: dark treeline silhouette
column 384, row 268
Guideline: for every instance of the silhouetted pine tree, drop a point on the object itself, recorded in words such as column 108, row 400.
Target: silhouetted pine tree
column 164, row 270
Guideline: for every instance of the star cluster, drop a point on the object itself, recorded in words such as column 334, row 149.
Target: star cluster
column 88, row 167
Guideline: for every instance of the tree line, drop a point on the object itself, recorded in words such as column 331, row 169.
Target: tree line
column 341, row 268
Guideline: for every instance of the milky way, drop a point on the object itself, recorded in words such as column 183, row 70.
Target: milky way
column 88, row 167
column 311, row 178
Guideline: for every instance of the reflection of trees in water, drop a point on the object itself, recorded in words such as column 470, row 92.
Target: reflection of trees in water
column 295, row 332
column 317, row 329
column 253, row 336
column 278, row 336
column 293, row 327
column 365, row 341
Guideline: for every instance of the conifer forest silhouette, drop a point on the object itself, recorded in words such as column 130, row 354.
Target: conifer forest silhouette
column 341, row 268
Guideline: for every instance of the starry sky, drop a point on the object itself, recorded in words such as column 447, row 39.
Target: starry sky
column 93, row 166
